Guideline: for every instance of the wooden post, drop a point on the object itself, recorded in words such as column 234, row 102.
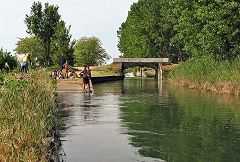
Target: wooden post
column 160, row 72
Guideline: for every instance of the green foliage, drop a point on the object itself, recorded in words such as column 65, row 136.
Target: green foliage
column 89, row 51
column 33, row 46
column 181, row 28
column 5, row 57
column 148, row 30
column 208, row 28
column 42, row 23
column 62, row 46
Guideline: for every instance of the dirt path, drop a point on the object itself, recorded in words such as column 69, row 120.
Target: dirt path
column 70, row 85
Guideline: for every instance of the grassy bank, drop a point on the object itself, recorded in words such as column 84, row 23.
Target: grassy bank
column 107, row 70
column 209, row 74
column 26, row 111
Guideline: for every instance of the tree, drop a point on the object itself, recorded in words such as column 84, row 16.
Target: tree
column 42, row 23
column 208, row 28
column 62, row 47
column 181, row 29
column 148, row 30
column 33, row 46
column 89, row 51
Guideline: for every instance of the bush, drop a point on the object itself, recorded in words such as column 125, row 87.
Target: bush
column 5, row 57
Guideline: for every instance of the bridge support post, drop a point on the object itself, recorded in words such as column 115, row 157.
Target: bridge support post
column 160, row 72
column 156, row 73
column 122, row 71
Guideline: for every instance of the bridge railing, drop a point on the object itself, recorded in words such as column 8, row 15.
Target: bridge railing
column 149, row 60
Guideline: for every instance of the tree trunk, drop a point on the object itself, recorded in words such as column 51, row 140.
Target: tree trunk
column 47, row 53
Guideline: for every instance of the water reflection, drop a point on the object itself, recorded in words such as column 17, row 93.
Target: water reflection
column 147, row 120
column 86, row 106
column 180, row 124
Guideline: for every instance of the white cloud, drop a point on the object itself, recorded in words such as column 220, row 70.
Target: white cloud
column 86, row 17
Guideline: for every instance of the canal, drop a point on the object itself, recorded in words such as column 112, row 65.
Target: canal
column 143, row 120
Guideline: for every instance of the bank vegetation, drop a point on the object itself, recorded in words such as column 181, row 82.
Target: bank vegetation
column 27, row 108
column 208, row 74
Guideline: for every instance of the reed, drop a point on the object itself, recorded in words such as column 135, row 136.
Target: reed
column 206, row 70
column 27, row 108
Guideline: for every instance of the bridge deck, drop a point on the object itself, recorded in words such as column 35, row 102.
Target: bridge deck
column 136, row 60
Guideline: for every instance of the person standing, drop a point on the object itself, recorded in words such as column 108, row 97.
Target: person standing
column 89, row 77
column 24, row 63
column 85, row 75
column 66, row 68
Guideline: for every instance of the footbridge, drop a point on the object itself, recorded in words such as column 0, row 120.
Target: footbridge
column 154, row 63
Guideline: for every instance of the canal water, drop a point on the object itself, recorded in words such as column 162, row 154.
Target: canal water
column 143, row 120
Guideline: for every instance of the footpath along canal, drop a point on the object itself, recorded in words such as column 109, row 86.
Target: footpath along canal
column 143, row 120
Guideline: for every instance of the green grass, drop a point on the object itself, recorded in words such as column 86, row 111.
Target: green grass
column 206, row 69
column 107, row 70
column 26, row 114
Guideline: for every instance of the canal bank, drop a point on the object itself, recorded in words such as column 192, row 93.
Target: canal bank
column 208, row 74
column 27, row 113
column 220, row 87
column 76, row 85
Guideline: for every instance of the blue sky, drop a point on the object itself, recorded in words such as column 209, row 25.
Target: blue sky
column 100, row 18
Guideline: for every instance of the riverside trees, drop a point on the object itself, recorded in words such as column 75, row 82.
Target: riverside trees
column 46, row 24
column 62, row 47
column 178, row 28
column 33, row 46
column 89, row 51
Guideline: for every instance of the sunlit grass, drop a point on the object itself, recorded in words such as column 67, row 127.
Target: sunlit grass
column 26, row 114
column 107, row 70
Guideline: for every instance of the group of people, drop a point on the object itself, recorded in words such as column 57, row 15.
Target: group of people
column 59, row 74
column 66, row 73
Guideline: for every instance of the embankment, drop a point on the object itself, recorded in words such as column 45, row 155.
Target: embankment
column 27, row 112
column 208, row 74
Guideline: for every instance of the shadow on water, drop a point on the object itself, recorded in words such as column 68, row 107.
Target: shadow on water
column 147, row 120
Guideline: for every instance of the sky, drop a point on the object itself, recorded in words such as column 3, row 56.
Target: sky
column 99, row 18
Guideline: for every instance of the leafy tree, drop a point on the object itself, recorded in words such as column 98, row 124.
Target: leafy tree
column 33, row 46
column 62, row 46
column 5, row 57
column 42, row 23
column 181, row 28
column 89, row 51
column 148, row 30
column 208, row 28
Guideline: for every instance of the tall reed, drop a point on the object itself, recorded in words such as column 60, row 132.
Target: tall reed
column 27, row 107
column 207, row 70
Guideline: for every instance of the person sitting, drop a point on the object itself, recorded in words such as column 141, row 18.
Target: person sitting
column 72, row 75
column 54, row 74
column 60, row 75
